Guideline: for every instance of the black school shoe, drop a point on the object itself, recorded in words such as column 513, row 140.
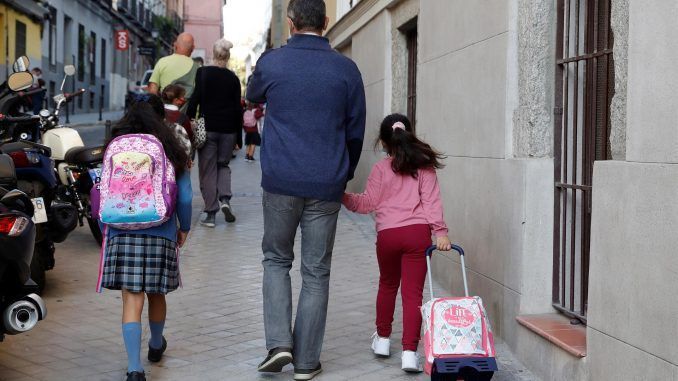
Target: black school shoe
column 136, row 376
column 155, row 355
column 307, row 374
column 275, row 361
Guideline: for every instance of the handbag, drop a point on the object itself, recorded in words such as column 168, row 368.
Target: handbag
column 199, row 133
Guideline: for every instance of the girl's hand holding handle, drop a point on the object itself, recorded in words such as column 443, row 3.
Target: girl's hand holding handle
column 443, row 243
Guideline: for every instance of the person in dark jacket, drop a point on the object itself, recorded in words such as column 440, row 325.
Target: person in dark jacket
column 315, row 125
column 217, row 95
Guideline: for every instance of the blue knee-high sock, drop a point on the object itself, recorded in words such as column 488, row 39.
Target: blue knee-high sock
column 131, row 333
column 156, row 333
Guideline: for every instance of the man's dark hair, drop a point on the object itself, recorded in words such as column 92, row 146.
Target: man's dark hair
column 307, row 15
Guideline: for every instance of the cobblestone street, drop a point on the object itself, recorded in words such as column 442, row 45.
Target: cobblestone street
column 215, row 324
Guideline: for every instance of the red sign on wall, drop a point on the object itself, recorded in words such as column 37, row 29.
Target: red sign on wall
column 121, row 39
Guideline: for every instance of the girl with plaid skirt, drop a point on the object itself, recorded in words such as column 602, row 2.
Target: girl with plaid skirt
column 144, row 264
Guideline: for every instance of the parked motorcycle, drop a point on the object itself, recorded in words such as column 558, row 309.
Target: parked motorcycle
column 78, row 166
column 55, row 216
column 21, row 308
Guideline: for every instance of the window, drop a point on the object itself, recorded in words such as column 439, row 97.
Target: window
column 583, row 91
column 410, row 30
column 92, row 48
column 92, row 97
column 103, row 59
column 52, row 38
column 81, row 53
column 67, row 44
column 20, row 42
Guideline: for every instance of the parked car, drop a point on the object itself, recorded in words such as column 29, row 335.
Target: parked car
column 141, row 87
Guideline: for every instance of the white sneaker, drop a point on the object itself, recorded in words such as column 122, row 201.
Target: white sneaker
column 410, row 361
column 381, row 346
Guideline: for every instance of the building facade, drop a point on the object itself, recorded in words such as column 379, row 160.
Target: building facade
column 20, row 22
column 280, row 31
column 204, row 20
column 83, row 33
column 561, row 170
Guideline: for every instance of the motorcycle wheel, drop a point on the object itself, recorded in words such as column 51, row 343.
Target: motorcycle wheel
column 96, row 230
column 38, row 269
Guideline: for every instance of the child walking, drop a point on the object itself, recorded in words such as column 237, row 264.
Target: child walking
column 143, row 263
column 403, row 191
column 251, row 119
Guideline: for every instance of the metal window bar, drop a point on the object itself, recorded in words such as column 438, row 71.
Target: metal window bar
column 584, row 88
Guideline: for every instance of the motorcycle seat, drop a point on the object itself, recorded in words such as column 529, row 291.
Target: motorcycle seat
column 85, row 155
column 14, row 147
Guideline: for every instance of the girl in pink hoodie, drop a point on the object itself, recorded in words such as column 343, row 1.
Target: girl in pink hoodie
column 403, row 192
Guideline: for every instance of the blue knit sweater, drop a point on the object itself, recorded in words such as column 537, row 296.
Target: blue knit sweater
column 315, row 118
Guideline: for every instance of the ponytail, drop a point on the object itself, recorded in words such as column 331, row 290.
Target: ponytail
column 408, row 152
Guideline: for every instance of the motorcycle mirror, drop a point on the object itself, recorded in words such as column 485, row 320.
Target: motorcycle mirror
column 17, row 198
column 20, row 81
column 21, row 64
column 69, row 70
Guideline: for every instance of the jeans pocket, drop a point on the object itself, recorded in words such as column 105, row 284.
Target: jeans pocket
column 328, row 207
column 278, row 202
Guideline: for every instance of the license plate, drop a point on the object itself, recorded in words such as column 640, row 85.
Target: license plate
column 95, row 175
column 40, row 211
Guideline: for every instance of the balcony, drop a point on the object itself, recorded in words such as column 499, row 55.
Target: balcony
column 148, row 20
column 123, row 6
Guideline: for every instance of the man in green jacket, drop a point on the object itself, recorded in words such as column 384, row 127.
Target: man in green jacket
column 176, row 69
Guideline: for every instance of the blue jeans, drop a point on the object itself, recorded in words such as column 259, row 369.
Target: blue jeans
column 318, row 221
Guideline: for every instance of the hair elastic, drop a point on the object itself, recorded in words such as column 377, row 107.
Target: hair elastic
column 400, row 125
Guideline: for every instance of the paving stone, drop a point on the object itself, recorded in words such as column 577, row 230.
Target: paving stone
column 215, row 323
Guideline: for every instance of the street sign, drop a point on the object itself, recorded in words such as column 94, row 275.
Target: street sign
column 146, row 50
column 121, row 39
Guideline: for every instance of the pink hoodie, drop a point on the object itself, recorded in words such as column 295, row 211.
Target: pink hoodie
column 400, row 200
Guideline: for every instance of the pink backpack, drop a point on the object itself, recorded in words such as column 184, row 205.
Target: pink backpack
column 138, row 186
column 249, row 119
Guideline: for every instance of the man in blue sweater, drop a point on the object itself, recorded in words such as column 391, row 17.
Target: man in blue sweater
column 315, row 125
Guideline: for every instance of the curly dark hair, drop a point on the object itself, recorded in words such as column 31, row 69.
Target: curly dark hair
column 144, row 118
column 408, row 152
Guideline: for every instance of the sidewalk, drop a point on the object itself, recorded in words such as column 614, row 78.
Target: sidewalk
column 215, row 324
column 89, row 118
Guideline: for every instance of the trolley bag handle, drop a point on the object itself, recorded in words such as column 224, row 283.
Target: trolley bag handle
column 456, row 248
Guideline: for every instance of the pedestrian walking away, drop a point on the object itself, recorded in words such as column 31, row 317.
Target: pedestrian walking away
column 176, row 69
column 315, row 123
column 173, row 97
column 142, row 235
column 403, row 191
column 217, row 96
column 252, row 119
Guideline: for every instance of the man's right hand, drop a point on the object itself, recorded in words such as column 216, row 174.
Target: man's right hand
column 153, row 88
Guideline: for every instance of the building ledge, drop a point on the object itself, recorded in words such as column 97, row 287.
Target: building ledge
column 557, row 329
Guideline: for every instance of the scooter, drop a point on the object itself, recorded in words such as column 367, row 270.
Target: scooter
column 20, row 307
column 78, row 167
column 55, row 216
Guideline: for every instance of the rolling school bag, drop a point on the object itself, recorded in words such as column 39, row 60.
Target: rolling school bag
column 458, row 341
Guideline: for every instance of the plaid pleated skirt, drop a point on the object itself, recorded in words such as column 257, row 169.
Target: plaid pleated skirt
column 140, row 263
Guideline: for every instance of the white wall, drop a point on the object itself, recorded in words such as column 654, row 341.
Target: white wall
column 632, row 316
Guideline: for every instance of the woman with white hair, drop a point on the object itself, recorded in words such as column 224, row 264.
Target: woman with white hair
column 217, row 98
